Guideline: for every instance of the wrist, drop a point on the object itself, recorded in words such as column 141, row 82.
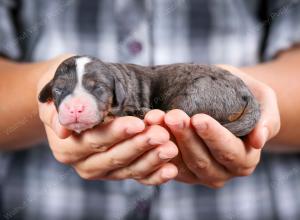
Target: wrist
column 21, row 125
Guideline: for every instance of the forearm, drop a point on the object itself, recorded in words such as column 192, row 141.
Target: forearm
column 20, row 125
column 283, row 75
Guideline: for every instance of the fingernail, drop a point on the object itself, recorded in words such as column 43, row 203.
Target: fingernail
column 201, row 126
column 135, row 127
column 131, row 130
column 265, row 133
column 166, row 155
column 154, row 142
column 178, row 125
column 168, row 173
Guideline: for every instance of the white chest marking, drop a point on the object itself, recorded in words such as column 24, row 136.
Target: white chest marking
column 80, row 67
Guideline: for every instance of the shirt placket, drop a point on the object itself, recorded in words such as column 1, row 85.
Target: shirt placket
column 133, row 29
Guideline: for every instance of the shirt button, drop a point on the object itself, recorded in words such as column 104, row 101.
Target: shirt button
column 135, row 47
column 142, row 206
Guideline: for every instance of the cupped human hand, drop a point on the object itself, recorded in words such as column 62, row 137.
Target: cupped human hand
column 123, row 148
column 211, row 155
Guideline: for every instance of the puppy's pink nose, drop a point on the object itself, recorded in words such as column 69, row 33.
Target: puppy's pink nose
column 76, row 110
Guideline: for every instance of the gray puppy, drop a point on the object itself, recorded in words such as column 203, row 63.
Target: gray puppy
column 86, row 90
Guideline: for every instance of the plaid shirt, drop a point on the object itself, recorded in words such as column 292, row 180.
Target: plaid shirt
column 237, row 32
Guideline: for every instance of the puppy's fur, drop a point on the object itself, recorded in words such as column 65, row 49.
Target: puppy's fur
column 128, row 89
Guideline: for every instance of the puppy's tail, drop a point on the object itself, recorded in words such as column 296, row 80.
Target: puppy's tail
column 246, row 122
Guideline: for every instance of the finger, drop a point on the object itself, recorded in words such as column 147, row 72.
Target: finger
column 269, row 123
column 66, row 151
column 184, row 173
column 49, row 117
column 194, row 152
column 154, row 117
column 146, row 164
column 77, row 147
column 123, row 153
column 105, row 135
column 167, row 172
column 186, row 176
column 258, row 136
column 226, row 148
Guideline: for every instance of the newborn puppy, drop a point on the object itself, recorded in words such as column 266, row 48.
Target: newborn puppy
column 86, row 90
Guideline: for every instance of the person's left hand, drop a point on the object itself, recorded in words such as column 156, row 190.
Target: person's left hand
column 209, row 153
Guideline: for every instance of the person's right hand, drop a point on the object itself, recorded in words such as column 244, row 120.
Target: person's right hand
column 123, row 148
column 120, row 149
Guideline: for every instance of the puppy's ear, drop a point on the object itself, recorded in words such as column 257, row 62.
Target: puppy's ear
column 46, row 93
column 119, row 93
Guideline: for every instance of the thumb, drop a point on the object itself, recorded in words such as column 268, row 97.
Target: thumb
column 49, row 117
column 269, row 124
